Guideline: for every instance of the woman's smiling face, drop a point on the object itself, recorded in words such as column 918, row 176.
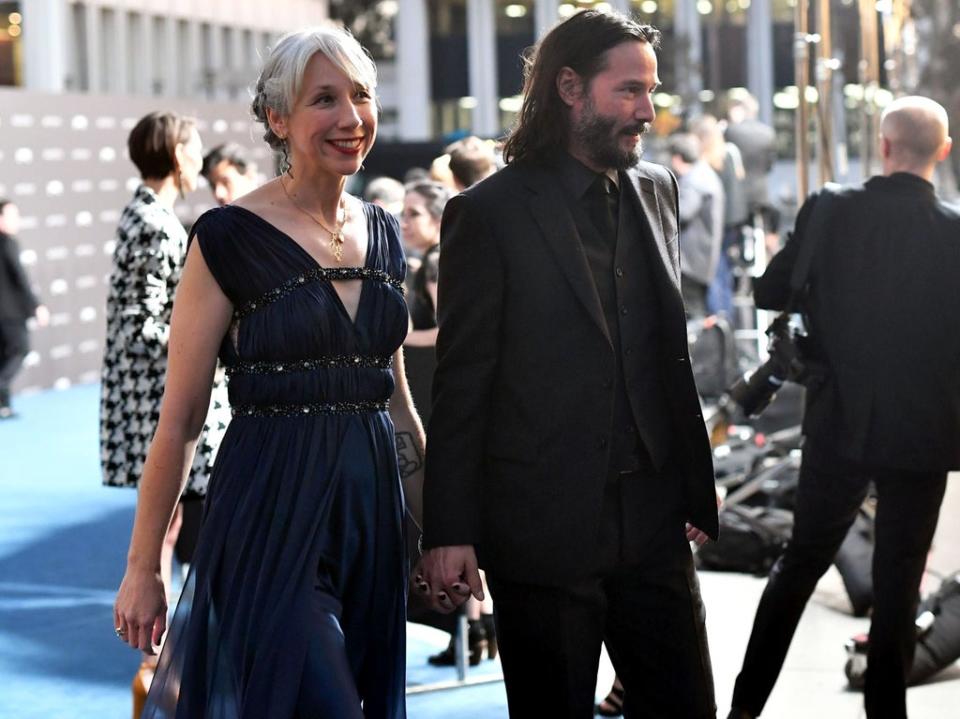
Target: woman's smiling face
column 333, row 122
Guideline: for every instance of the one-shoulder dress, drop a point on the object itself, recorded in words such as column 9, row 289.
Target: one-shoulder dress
column 295, row 602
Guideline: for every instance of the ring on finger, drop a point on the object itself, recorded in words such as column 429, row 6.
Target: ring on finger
column 120, row 631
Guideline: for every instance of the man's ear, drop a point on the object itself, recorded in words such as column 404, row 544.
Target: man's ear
column 945, row 149
column 884, row 147
column 569, row 86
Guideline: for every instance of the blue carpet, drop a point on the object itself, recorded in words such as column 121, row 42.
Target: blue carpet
column 63, row 542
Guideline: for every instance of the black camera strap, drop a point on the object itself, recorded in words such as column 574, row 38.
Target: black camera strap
column 812, row 237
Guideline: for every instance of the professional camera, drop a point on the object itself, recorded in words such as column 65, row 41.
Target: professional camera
column 754, row 391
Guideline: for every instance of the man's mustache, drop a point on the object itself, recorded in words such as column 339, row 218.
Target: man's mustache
column 639, row 129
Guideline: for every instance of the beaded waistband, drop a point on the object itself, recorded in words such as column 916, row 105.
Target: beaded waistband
column 300, row 410
column 319, row 274
column 333, row 361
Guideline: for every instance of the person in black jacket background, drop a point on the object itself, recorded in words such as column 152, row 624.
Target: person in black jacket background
column 883, row 305
column 17, row 305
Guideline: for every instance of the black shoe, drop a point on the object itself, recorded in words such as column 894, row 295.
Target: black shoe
column 476, row 643
column 490, row 627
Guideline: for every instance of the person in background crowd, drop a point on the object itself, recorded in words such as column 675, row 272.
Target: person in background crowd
column 440, row 171
column 148, row 260
column 757, row 142
column 295, row 602
column 883, row 404
column 471, row 160
column 724, row 158
column 701, row 221
column 229, row 172
column 420, row 226
column 387, row 193
column 17, row 305
column 566, row 447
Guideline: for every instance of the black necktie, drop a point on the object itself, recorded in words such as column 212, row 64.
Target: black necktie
column 603, row 206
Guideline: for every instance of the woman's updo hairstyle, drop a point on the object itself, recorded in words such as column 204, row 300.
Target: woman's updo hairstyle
column 282, row 75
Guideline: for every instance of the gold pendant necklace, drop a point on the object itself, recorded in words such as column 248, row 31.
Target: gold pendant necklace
column 336, row 236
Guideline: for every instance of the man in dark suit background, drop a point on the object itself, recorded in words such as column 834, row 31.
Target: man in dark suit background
column 884, row 308
column 566, row 448
column 17, row 305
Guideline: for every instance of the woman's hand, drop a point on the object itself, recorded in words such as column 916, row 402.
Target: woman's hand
column 140, row 612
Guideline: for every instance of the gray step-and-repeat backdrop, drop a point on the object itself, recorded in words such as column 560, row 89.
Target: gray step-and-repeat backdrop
column 63, row 161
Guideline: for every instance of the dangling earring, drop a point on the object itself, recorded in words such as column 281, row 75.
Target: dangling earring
column 285, row 166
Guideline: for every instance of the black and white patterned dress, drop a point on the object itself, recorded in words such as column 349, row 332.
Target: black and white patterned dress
column 148, row 258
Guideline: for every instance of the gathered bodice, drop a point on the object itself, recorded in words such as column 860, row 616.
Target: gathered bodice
column 292, row 347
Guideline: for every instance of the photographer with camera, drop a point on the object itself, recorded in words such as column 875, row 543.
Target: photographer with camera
column 881, row 303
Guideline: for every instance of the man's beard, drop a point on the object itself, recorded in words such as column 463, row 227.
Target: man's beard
column 599, row 138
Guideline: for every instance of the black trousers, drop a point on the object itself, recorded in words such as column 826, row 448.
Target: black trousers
column 830, row 492
column 14, row 345
column 647, row 610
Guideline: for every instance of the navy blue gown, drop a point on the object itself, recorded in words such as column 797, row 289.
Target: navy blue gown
column 294, row 607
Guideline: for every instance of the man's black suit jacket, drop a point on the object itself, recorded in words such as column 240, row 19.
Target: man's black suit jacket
column 17, row 301
column 518, row 443
column 884, row 305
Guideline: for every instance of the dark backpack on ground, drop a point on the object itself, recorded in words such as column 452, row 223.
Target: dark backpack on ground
column 854, row 561
column 939, row 643
column 713, row 355
column 751, row 539
column 938, row 638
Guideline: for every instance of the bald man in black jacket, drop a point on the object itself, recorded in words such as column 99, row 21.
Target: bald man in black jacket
column 883, row 306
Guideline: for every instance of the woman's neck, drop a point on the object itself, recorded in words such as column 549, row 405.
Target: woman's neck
column 166, row 190
column 318, row 193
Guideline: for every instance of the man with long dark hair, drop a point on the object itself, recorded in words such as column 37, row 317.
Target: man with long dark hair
column 566, row 449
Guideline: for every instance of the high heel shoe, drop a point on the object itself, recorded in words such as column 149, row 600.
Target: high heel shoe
column 491, row 629
column 140, row 686
column 476, row 643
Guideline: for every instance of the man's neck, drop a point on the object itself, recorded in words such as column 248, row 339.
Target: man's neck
column 925, row 172
column 583, row 158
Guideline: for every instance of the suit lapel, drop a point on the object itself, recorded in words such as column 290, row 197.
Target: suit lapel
column 643, row 192
column 550, row 209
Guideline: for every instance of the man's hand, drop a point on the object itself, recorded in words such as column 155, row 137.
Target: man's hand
column 447, row 576
column 694, row 534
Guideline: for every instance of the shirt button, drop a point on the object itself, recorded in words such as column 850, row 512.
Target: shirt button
column 619, row 272
column 628, row 351
column 623, row 310
column 602, row 444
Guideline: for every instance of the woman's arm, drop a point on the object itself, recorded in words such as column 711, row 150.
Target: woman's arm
column 201, row 317
column 411, row 440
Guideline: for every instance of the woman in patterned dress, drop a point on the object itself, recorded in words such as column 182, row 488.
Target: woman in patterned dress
column 295, row 602
column 150, row 248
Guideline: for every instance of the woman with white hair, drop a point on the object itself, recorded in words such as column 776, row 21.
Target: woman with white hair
column 295, row 602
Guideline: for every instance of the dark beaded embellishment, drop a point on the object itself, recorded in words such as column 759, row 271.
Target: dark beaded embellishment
column 320, row 274
column 303, row 410
column 279, row 367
